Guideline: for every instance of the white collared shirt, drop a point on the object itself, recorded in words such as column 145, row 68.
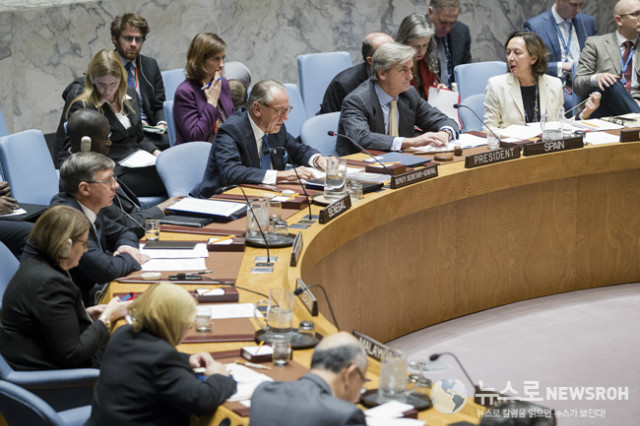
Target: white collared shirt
column 574, row 47
column 385, row 99
column 121, row 116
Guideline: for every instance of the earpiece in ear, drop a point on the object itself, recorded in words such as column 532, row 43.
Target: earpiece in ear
column 66, row 249
column 85, row 144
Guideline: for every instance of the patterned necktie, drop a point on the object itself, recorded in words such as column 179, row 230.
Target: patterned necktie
column 131, row 76
column 393, row 118
column 266, row 153
column 627, row 73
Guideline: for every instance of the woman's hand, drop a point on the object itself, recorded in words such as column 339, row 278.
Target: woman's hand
column 204, row 359
column 115, row 309
column 213, row 92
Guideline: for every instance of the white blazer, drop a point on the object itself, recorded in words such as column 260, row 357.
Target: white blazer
column 503, row 104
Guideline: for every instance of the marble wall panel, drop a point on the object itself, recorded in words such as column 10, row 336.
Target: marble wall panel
column 44, row 44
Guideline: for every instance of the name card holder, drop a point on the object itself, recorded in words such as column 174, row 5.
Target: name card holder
column 307, row 298
column 491, row 157
column 414, row 176
column 371, row 346
column 296, row 249
column 335, row 209
column 632, row 135
column 553, row 146
column 395, row 169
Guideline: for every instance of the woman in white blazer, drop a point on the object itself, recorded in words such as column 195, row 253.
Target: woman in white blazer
column 525, row 93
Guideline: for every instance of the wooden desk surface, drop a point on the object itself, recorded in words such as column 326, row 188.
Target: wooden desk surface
column 468, row 240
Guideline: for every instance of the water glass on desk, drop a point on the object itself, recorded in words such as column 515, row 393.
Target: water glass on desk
column 493, row 143
column 203, row 319
column 280, row 311
column 553, row 128
column 257, row 217
column 281, row 345
column 152, row 229
column 393, row 377
column 335, row 178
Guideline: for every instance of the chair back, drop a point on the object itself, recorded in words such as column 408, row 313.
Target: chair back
column 469, row 121
column 4, row 131
column 28, row 167
column 298, row 114
column 472, row 78
column 171, row 80
column 18, row 406
column 182, row 167
column 171, row 124
column 315, row 72
column 8, row 267
column 314, row 132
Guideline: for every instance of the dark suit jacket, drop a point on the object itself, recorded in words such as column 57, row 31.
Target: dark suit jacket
column 362, row 119
column 195, row 118
column 126, row 211
column 146, row 381
column 44, row 322
column 307, row 401
column 98, row 265
column 341, row 85
column 151, row 89
column 234, row 157
column 545, row 26
column 460, row 44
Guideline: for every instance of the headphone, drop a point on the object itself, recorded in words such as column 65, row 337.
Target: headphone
column 85, row 144
column 65, row 251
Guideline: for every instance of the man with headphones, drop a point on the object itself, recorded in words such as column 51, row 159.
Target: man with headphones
column 88, row 130
column 89, row 186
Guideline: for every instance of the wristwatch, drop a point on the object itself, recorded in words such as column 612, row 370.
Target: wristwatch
column 105, row 319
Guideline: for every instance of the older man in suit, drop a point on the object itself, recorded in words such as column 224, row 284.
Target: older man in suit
column 384, row 111
column 564, row 31
column 611, row 63
column 253, row 145
column 453, row 38
column 324, row 397
column 347, row 80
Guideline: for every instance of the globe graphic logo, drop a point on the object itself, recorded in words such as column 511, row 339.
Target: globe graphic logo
column 448, row 395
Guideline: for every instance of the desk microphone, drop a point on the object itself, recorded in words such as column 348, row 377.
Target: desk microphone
column 273, row 150
column 458, row 106
column 223, row 189
column 264, row 236
column 360, row 147
column 480, row 395
column 298, row 291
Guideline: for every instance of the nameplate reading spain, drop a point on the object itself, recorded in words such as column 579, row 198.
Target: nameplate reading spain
column 335, row 209
column 414, row 176
column 492, row 157
column 371, row 346
column 553, row 146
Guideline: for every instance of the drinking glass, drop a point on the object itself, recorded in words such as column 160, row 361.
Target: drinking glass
column 280, row 310
column 335, row 178
column 257, row 214
column 393, row 377
column 152, row 229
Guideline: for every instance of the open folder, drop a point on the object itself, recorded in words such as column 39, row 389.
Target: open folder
column 222, row 211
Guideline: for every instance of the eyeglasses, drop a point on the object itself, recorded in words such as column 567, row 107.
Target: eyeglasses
column 85, row 243
column 130, row 39
column 364, row 379
column 111, row 181
column 635, row 14
column 280, row 111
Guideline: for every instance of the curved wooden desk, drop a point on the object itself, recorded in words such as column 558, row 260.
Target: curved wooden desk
column 473, row 239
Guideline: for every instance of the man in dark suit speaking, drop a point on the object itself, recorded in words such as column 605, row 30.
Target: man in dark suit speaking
column 323, row 397
column 384, row 111
column 253, row 145
column 453, row 38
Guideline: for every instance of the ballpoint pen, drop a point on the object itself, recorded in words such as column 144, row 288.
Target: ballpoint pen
column 253, row 365
column 206, row 86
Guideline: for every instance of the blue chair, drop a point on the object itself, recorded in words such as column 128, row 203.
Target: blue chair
column 4, row 131
column 8, row 267
column 171, row 124
column 171, row 80
column 469, row 121
column 298, row 114
column 315, row 72
column 472, row 78
column 182, row 167
column 314, row 132
column 28, row 167
column 20, row 407
column 62, row 389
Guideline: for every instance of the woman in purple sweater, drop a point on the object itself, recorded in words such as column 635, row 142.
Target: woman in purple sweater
column 203, row 101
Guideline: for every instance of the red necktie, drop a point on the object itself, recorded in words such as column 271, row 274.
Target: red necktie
column 627, row 73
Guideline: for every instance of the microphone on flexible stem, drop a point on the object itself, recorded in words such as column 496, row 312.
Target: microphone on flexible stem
column 298, row 291
column 264, row 236
column 276, row 148
column 223, row 189
column 360, row 147
column 458, row 106
column 480, row 395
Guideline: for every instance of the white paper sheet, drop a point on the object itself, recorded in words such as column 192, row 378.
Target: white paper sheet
column 160, row 265
column 388, row 410
column 211, row 207
column 139, row 159
column 521, row 132
column 233, row 310
column 467, row 140
column 595, row 138
column 16, row 212
column 200, row 250
column 444, row 99
column 247, row 381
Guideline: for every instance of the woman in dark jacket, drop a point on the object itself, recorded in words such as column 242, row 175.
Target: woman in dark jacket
column 45, row 324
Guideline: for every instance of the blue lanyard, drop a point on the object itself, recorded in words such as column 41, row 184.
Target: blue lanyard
column 625, row 64
column 565, row 45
